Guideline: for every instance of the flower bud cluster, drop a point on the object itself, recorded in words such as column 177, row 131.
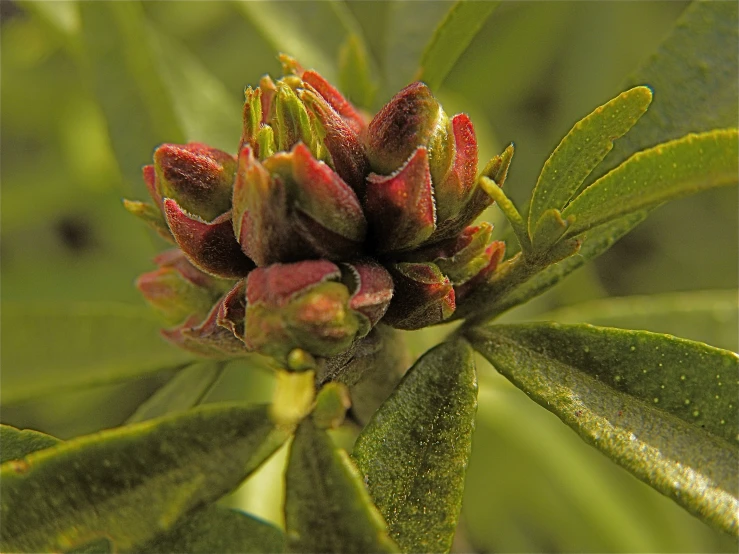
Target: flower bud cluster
column 324, row 224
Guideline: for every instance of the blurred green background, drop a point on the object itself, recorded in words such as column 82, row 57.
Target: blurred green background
column 90, row 89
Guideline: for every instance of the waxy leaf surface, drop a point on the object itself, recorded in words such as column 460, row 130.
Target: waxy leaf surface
column 583, row 149
column 451, row 38
column 663, row 408
column 413, row 453
column 50, row 347
column 667, row 171
column 694, row 76
column 327, row 508
column 130, row 484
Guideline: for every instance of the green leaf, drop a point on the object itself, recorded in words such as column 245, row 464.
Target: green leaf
column 17, row 443
column 182, row 392
column 221, row 530
column 667, row 171
column 413, row 453
column 408, row 29
column 451, row 38
column 662, row 407
column 705, row 316
column 130, row 484
column 205, row 109
column 313, row 32
column 123, row 72
column 694, row 78
column 596, row 242
column 355, row 72
column 327, row 508
column 583, row 149
column 50, row 347
column 534, row 486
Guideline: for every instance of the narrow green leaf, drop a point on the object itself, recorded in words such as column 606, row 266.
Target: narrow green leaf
column 182, row 392
column 132, row 483
column 50, row 347
column 122, row 71
column 355, row 72
column 205, row 109
column 582, row 149
column 408, row 29
column 667, row 171
column 662, row 407
column 596, row 242
column 327, row 508
column 705, row 316
column 313, row 32
column 17, row 443
column 694, row 78
column 451, row 38
column 220, row 530
column 413, row 453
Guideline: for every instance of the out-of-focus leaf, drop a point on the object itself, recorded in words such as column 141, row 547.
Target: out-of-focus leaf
column 408, row 29
column 671, row 170
column 130, row 484
column 219, row 530
column 583, row 149
column 49, row 347
column 355, row 72
column 312, row 32
column 62, row 17
column 662, row 407
column 451, row 38
column 17, row 443
column 182, row 392
column 595, row 243
column 705, row 316
column 694, row 78
column 534, row 486
column 327, row 508
column 205, row 109
column 124, row 73
column 413, row 453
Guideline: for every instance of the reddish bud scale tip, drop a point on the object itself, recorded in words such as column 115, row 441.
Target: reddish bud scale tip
column 402, row 125
column 232, row 310
column 209, row 246
column 347, row 155
column 454, row 189
column 495, row 252
column 400, row 207
column 423, row 296
column 371, row 288
column 277, row 284
column 336, row 100
column 150, row 176
column 197, row 176
column 208, row 338
column 324, row 196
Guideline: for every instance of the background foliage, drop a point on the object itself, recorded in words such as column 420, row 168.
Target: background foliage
column 90, row 89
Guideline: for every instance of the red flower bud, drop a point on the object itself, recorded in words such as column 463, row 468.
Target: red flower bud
column 214, row 337
column 294, row 207
column 423, row 296
column 177, row 289
column 400, row 207
column 299, row 305
column 200, row 178
column 209, row 246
